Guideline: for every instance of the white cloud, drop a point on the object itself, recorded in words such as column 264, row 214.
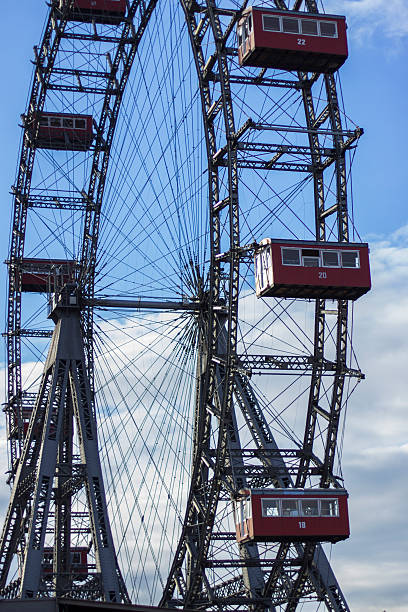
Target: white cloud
column 369, row 18
column 367, row 581
column 371, row 566
column 380, row 404
column 386, row 450
column 401, row 234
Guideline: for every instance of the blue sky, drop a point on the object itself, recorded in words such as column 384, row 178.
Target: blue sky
column 372, row 565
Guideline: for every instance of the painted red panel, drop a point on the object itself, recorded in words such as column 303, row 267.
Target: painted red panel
column 300, row 528
column 323, row 282
column 101, row 11
column 26, row 421
column 294, row 51
column 71, row 139
column 323, row 277
column 313, row 44
column 80, row 568
column 315, row 527
column 102, row 5
column 36, row 273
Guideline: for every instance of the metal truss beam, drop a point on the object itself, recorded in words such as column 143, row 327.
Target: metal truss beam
column 272, row 165
column 85, row 89
column 260, row 81
column 96, row 38
column 291, row 363
column 306, row 130
column 32, row 333
column 52, row 201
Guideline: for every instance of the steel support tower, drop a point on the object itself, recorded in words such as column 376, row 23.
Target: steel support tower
column 57, row 488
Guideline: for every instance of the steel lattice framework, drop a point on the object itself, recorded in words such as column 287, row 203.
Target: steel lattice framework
column 233, row 441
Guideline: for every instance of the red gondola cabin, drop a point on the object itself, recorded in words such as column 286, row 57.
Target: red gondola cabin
column 26, row 415
column 278, row 515
column 99, row 11
column 290, row 40
column 79, row 561
column 325, row 270
column 63, row 131
column 41, row 275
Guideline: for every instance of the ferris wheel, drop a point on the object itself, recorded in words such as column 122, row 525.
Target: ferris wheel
column 182, row 263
